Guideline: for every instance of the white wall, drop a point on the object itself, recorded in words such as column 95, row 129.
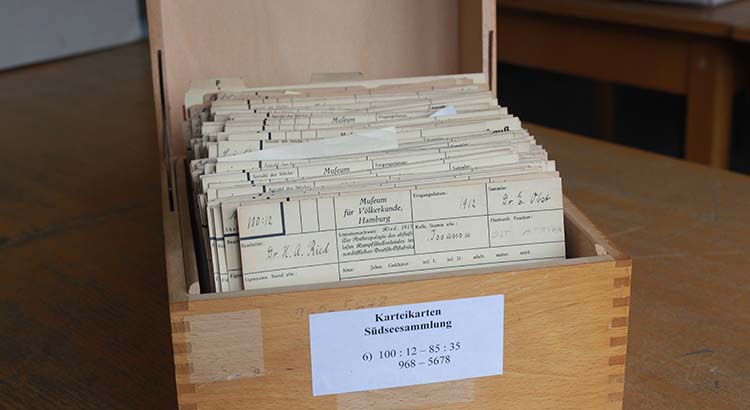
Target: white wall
column 33, row 31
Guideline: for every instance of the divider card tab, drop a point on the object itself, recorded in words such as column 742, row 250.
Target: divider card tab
column 395, row 346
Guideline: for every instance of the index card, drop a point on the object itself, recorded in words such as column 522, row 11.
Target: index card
column 432, row 228
column 362, row 142
column 332, row 182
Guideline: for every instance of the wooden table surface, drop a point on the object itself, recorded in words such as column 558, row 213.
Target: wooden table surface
column 728, row 20
column 84, row 321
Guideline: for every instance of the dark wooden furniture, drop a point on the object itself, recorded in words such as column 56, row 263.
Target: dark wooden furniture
column 690, row 51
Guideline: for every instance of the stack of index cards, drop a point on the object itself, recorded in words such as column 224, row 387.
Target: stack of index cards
column 331, row 182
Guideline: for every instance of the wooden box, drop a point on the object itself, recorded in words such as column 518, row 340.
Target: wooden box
column 565, row 322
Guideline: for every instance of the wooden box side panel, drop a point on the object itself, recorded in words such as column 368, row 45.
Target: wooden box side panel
column 583, row 238
column 565, row 341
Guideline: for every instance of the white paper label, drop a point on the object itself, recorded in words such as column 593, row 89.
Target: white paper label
column 404, row 345
column 444, row 112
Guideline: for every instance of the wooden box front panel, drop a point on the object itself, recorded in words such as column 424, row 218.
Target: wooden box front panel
column 565, row 341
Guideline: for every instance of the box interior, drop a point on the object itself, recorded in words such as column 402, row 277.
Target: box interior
column 584, row 243
column 379, row 38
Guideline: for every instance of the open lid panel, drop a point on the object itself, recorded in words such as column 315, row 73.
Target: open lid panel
column 275, row 42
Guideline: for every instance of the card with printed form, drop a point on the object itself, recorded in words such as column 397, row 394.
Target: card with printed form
column 330, row 182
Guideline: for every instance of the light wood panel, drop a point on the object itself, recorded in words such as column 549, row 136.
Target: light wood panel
column 565, row 326
column 271, row 42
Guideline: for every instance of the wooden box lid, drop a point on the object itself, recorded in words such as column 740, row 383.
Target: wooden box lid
column 274, row 42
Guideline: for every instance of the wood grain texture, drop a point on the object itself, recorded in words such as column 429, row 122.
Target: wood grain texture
column 283, row 42
column 470, row 37
column 558, row 329
column 85, row 322
column 83, row 319
column 686, row 228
